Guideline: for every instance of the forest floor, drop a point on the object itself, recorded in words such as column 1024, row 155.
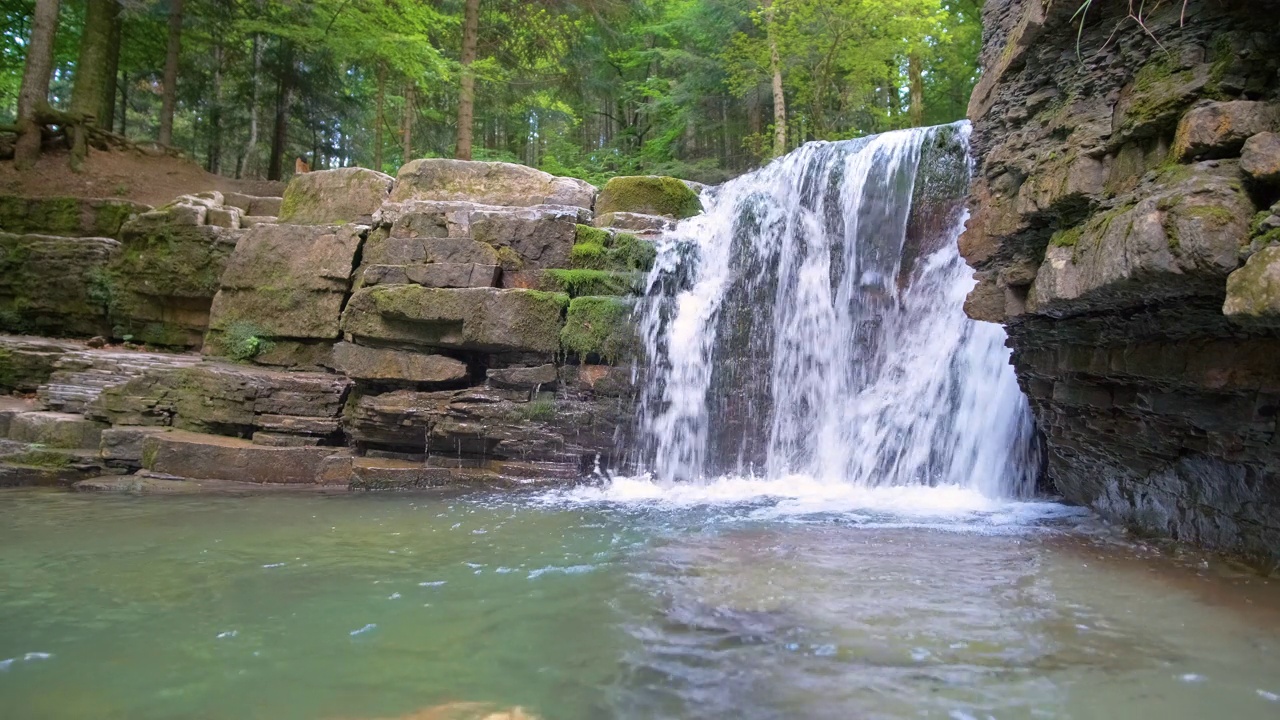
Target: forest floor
column 131, row 175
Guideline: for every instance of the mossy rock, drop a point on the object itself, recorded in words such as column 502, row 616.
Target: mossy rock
column 600, row 329
column 598, row 249
column 334, row 197
column 46, row 284
column 66, row 216
column 649, row 195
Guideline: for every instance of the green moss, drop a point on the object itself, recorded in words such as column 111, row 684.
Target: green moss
column 509, row 259
column 599, row 328
column 1068, row 237
column 40, row 458
column 597, row 249
column 1214, row 214
column 650, row 195
column 578, row 283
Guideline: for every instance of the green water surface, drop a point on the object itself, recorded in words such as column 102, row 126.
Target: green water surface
column 312, row 607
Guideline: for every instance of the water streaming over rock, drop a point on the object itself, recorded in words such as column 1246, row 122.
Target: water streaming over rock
column 810, row 323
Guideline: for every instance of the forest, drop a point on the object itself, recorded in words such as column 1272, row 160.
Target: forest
column 701, row 89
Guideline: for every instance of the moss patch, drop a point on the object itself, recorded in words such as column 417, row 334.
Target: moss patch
column 579, row 283
column 596, row 249
column 599, row 329
column 650, row 195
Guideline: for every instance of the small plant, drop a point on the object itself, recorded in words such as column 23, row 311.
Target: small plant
column 538, row 410
column 243, row 341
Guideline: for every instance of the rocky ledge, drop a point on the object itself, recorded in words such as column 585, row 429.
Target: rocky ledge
column 463, row 322
column 1125, row 232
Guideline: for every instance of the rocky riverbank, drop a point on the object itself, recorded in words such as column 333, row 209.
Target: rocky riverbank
column 463, row 322
column 1126, row 234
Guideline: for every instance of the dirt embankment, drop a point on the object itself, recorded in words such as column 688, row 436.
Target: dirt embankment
column 131, row 175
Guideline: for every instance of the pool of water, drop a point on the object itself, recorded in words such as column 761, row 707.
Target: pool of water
column 631, row 602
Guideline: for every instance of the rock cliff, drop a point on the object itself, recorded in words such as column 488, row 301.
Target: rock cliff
column 1125, row 232
column 462, row 322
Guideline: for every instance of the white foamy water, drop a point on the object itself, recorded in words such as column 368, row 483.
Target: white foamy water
column 807, row 344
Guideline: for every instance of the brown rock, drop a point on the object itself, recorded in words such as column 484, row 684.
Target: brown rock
column 365, row 363
column 490, row 183
column 1260, row 158
column 214, row 457
column 334, row 197
column 1220, row 129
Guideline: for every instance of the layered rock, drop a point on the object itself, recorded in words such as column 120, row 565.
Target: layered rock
column 1116, row 233
column 467, row 322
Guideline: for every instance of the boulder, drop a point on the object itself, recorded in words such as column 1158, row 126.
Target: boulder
column 214, row 457
column 252, row 204
column 224, row 217
column 474, row 319
column 159, row 288
column 1220, row 129
column 378, row 364
column 66, row 217
column 600, row 329
column 1253, row 291
column 282, row 282
column 648, row 195
column 520, row 237
column 53, row 285
column 1180, row 240
column 334, row 197
column 1260, row 158
column 489, row 183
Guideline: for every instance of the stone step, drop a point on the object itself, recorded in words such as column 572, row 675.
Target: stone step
column 80, row 377
column 56, row 430
column 215, row 457
column 24, row 464
column 26, row 362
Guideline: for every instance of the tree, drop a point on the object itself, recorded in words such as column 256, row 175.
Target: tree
column 91, row 79
column 779, row 98
column 170, row 82
column 34, row 94
column 467, row 89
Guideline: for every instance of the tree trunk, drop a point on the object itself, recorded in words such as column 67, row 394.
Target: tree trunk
column 379, row 104
column 90, row 83
column 779, row 99
column 35, row 83
column 124, row 104
column 169, row 90
column 916, row 73
column 406, row 128
column 215, row 114
column 107, row 113
column 279, row 131
column 251, row 147
column 467, row 95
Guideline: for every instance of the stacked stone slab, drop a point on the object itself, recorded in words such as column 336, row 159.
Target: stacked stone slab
column 463, row 322
column 1125, row 234
column 113, row 268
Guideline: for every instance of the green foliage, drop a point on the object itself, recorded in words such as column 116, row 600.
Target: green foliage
column 586, row 89
column 243, row 341
column 540, row 410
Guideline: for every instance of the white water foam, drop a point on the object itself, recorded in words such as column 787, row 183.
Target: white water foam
column 808, row 347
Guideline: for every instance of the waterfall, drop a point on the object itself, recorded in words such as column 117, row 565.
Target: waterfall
column 810, row 323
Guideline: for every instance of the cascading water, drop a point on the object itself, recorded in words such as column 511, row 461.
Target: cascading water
column 809, row 324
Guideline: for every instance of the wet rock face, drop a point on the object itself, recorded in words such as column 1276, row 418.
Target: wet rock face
column 1122, row 232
